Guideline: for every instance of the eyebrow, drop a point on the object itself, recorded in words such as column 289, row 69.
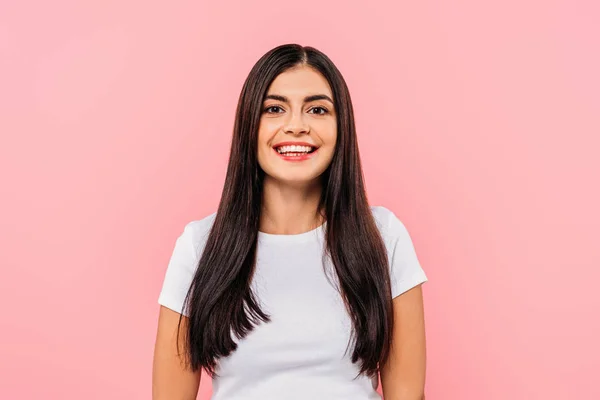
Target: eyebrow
column 307, row 99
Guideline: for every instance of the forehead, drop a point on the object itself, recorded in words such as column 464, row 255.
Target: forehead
column 300, row 81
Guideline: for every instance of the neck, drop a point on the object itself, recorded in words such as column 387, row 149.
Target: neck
column 289, row 209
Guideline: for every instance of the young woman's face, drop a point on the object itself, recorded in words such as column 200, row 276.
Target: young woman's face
column 298, row 130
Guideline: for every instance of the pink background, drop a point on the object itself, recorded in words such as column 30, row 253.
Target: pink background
column 479, row 125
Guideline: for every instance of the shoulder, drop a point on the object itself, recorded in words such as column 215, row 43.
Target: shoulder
column 192, row 239
column 405, row 268
column 199, row 228
column 393, row 231
column 389, row 224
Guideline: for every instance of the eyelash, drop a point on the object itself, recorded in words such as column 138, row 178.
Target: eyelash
column 325, row 110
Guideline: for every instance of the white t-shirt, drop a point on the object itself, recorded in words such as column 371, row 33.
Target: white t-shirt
column 301, row 353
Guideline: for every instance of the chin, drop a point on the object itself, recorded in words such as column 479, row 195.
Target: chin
column 296, row 180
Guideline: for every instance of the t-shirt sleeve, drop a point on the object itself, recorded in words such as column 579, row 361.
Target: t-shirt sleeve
column 180, row 271
column 405, row 269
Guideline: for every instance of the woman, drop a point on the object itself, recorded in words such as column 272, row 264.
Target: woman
column 295, row 288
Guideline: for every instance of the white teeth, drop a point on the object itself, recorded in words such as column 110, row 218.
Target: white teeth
column 294, row 149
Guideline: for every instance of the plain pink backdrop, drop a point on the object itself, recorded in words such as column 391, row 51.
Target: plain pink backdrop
column 478, row 123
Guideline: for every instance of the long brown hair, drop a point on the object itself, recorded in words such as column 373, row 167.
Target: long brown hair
column 220, row 300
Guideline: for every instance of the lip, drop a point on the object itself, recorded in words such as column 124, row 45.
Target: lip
column 303, row 157
column 294, row 144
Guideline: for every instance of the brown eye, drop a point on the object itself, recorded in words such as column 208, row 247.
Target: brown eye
column 270, row 109
column 322, row 110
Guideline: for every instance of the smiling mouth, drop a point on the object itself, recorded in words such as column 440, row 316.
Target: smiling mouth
column 295, row 150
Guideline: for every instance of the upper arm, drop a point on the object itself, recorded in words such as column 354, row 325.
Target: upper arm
column 403, row 375
column 171, row 378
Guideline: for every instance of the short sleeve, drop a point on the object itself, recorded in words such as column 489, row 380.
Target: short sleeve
column 405, row 269
column 180, row 271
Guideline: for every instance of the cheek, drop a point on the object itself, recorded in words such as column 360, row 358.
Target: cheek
column 266, row 131
column 330, row 137
column 262, row 133
column 263, row 147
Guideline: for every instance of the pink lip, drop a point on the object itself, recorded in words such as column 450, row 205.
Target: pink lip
column 297, row 158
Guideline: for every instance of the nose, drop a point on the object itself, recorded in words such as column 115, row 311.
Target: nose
column 296, row 124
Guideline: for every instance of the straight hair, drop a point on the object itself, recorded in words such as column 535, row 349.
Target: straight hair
column 220, row 300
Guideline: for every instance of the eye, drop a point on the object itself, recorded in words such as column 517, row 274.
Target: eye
column 270, row 110
column 321, row 110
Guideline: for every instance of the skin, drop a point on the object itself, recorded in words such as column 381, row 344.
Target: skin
column 171, row 380
column 289, row 206
column 403, row 376
column 291, row 189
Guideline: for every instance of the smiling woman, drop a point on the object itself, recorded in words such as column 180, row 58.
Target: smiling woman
column 299, row 123
column 295, row 287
